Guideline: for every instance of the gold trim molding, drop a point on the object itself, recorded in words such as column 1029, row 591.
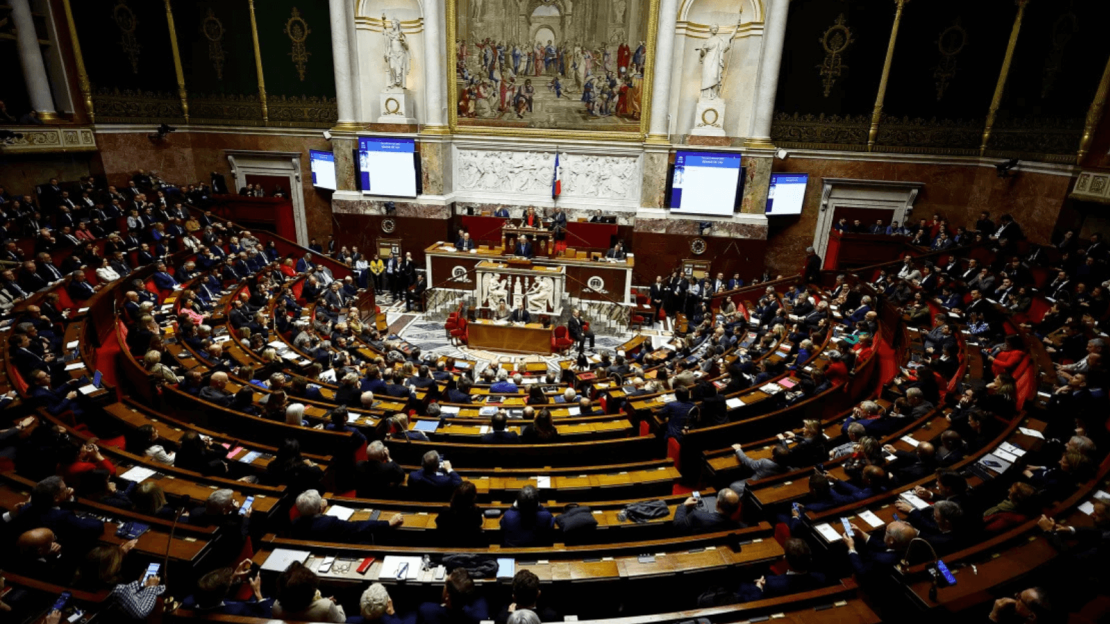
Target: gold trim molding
column 213, row 30
column 258, row 65
column 1092, row 186
column 1003, row 74
column 49, row 140
column 177, row 63
column 950, row 43
column 1094, row 115
column 79, row 60
column 880, row 97
column 835, row 41
column 298, row 31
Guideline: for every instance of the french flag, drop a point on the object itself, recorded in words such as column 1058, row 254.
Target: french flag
column 556, row 181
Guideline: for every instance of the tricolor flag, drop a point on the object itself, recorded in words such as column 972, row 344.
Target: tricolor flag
column 556, row 182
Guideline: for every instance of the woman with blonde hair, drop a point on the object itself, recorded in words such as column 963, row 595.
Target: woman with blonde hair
column 161, row 373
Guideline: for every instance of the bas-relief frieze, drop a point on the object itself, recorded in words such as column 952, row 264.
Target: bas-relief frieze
column 684, row 227
column 530, row 175
column 401, row 209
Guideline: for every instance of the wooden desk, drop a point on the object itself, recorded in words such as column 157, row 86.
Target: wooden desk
column 530, row 338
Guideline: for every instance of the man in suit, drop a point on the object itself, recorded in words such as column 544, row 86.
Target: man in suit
column 797, row 578
column 503, row 385
column 520, row 315
column 939, row 336
column 658, row 295
column 461, row 603
column 577, row 329
column 617, row 252
column 29, row 278
column 1090, row 544
column 313, row 524
column 707, row 514
column 213, row 591
column 523, row 247
column 433, row 480
column 56, row 400
column 812, row 272
column 499, row 433
column 881, row 550
column 162, row 278
column 11, row 288
column 859, row 313
column 677, row 412
column 44, row 266
column 760, row 468
column 1008, row 229
column 415, row 295
column 215, row 391
column 44, row 510
column 79, row 289
column 465, row 243
column 379, row 473
column 502, row 212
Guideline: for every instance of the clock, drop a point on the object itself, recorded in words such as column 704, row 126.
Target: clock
column 388, row 225
column 698, row 246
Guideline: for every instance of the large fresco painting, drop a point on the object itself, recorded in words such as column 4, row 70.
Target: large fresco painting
column 551, row 64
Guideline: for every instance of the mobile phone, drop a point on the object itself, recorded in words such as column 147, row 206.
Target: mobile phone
column 896, row 518
column 61, row 602
column 246, row 506
column 943, row 569
column 847, row 526
column 374, row 515
column 325, row 567
column 441, row 573
column 697, row 496
column 796, row 507
column 151, row 570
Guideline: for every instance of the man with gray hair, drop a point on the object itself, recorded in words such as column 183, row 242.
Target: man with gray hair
column 379, row 474
column 915, row 401
column 294, row 415
column 367, row 400
column 44, row 511
column 503, row 385
column 376, row 605
column 882, row 549
column 221, row 510
column 315, row 524
column 435, row 479
column 1091, row 361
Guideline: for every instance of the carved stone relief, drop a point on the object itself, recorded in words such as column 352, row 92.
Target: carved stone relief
column 591, row 176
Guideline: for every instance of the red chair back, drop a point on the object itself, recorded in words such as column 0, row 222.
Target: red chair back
column 674, row 452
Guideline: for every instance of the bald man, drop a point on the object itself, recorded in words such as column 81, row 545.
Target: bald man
column 881, row 550
column 708, row 513
column 40, row 557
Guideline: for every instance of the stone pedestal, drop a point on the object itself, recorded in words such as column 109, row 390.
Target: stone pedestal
column 709, row 118
column 396, row 107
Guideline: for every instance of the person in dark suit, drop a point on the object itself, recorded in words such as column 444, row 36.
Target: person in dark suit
column 29, row 278
column 714, row 411
column 1007, row 229
column 617, row 252
column 677, row 413
column 219, row 183
column 499, row 433
column 523, row 248
column 708, row 513
column 459, row 605
column 379, row 473
column 57, row 400
column 798, row 577
column 213, row 589
column 913, row 465
column 502, row 212
column 44, row 510
column 812, row 272
column 809, row 447
column 577, row 330
column 415, row 294
column 881, row 550
column 658, row 295
column 465, row 243
column 434, row 479
column 527, row 523
column 313, row 524
column 520, row 315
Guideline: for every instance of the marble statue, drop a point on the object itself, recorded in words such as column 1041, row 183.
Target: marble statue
column 541, row 297
column 497, row 290
column 712, row 59
column 396, row 53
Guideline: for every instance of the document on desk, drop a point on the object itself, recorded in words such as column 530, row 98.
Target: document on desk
column 543, row 482
column 1032, row 433
column 911, row 441
column 75, row 366
column 826, row 531
column 914, row 500
column 574, row 411
column 734, row 403
column 871, row 519
column 995, row 463
column 339, row 511
column 391, row 564
column 138, row 474
column 87, row 389
column 73, row 344
column 449, row 409
column 1011, row 449
column 1010, row 457
column 282, row 558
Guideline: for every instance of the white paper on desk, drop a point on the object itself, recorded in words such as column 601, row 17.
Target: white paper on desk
column 910, row 440
column 995, row 463
column 339, row 511
column 484, row 429
column 282, row 558
column 667, row 398
column 826, row 531
column 73, row 344
column 914, row 500
column 223, row 338
column 87, row 389
column 138, row 474
column 1044, row 395
column 1087, row 508
column 574, row 411
column 289, row 355
column 353, row 417
column 734, row 403
column 82, row 310
column 392, row 563
column 278, row 345
column 1033, row 433
column 871, row 518
column 449, row 409
column 1010, row 457
column 1102, row 495
column 1011, row 449
column 543, row 482
column 75, row 366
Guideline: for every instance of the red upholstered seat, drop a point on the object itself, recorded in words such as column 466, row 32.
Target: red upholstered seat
column 674, row 452
column 560, row 340
column 64, row 299
column 459, row 333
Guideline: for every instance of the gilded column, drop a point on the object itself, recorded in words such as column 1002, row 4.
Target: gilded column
column 341, row 61
column 177, row 63
column 435, row 73
column 1000, row 88
column 774, row 37
column 258, row 65
column 1094, row 114
column 30, row 57
column 79, row 60
column 659, row 128
column 881, row 96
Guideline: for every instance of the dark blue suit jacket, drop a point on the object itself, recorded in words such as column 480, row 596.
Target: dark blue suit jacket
column 333, row 529
column 500, row 437
column 164, row 280
column 675, row 412
column 69, row 528
column 514, row 532
column 438, row 485
column 435, row 613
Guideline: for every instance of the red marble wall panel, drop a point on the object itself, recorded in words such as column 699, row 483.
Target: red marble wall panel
column 188, row 157
column 957, row 192
column 659, row 254
column 416, row 234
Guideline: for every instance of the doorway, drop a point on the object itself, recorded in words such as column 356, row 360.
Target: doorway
column 866, row 200
column 273, row 168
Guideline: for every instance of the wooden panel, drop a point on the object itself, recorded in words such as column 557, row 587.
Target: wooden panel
column 531, row 338
column 363, row 231
column 443, row 267
column 659, row 254
column 614, row 278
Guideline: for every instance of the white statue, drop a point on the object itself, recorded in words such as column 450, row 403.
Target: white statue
column 713, row 55
column 541, row 296
column 396, row 53
column 497, row 290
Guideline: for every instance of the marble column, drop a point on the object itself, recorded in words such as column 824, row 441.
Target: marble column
column 341, row 61
column 30, row 57
column 435, row 74
column 774, row 37
column 659, row 128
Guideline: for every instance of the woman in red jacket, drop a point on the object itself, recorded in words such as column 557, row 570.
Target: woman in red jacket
column 77, row 460
column 863, row 350
column 836, row 372
column 1008, row 360
column 1019, row 507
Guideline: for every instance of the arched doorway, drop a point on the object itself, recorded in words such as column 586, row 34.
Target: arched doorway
column 544, row 34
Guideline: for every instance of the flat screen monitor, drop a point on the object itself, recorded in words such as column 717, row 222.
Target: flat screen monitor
column 387, row 167
column 786, row 194
column 705, row 183
column 322, row 165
